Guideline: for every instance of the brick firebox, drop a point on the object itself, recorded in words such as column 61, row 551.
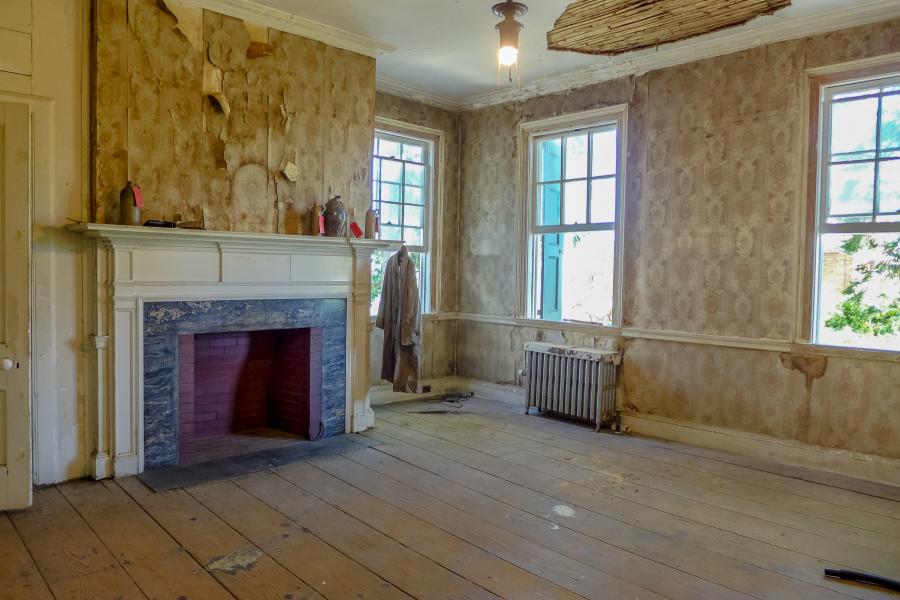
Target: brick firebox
column 235, row 381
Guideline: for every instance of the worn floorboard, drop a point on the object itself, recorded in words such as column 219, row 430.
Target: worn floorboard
column 480, row 503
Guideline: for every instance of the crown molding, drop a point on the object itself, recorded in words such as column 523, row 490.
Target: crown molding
column 766, row 30
column 259, row 14
column 402, row 90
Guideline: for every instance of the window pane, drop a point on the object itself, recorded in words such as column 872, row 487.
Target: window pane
column 549, row 160
column 390, row 192
column 576, row 156
column 548, row 204
column 388, row 148
column 889, row 187
column 603, row 157
column 603, row 200
column 412, row 236
column 390, row 214
column 413, row 215
column 853, row 127
column 413, row 195
column 890, row 125
column 376, row 169
column 390, row 233
column 415, row 175
column 379, row 261
column 859, row 301
column 391, row 170
column 574, row 273
column 575, row 202
column 851, row 188
column 413, row 153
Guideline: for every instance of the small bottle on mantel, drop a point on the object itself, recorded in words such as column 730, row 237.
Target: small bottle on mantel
column 313, row 227
column 371, row 223
column 131, row 200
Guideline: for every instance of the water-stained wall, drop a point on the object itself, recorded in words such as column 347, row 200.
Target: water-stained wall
column 712, row 207
column 206, row 112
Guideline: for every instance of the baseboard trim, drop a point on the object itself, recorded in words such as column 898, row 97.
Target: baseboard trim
column 384, row 394
column 870, row 467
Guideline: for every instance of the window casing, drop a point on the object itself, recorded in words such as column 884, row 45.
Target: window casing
column 857, row 270
column 575, row 175
column 402, row 193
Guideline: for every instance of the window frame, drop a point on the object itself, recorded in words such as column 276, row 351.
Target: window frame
column 430, row 292
column 822, row 85
column 530, row 134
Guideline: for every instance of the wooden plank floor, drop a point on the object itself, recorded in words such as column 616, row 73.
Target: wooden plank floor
column 480, row 502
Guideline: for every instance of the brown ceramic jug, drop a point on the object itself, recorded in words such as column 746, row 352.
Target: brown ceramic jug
column 335, row 218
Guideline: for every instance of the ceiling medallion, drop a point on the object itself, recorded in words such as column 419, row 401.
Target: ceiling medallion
column 617, row 26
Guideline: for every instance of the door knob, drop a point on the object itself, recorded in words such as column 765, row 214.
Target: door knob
column 7, row 364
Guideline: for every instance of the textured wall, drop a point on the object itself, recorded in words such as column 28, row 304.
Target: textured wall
column 711, row 218
column 306, row 103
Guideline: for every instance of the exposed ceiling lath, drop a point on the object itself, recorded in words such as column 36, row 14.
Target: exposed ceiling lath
column 617, row 26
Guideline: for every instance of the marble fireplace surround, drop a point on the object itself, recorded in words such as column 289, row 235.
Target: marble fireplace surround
column 132, row 269
column 164, row 322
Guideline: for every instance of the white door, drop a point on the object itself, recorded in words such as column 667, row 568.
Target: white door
column 15, row 306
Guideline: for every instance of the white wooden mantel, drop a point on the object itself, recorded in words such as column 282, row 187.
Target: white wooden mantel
column 128, row 266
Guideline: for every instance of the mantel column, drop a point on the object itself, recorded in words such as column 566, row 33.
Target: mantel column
column 362, row 415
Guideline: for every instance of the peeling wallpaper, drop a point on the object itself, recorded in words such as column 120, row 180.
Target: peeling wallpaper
column 711, row 215
column 304, row 102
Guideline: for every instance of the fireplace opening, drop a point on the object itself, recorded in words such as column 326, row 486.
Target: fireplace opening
column 244, row 391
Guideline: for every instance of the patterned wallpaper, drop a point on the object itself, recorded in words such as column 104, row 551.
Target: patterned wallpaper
column 713, row 187
column 712, row 202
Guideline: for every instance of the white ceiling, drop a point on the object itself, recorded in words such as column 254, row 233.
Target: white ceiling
column 446, row 49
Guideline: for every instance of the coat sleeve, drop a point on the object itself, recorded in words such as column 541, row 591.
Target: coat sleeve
column 411, row 323
column 386, row 284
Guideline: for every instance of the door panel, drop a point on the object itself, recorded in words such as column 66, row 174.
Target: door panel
column 15, row 306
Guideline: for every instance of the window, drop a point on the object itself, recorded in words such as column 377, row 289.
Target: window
column 857, row 295
column 574, row 230
column 402, row 172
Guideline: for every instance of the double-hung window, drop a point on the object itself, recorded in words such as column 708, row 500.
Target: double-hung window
column 574, row 219
column 402, row 191
column 857, row 291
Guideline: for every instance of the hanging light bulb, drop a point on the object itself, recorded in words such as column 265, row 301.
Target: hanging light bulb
column 509, row 28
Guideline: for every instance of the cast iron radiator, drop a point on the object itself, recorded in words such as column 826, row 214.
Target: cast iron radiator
column 571, row 381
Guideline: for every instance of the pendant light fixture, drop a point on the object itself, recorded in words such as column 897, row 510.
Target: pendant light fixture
column 509, row 28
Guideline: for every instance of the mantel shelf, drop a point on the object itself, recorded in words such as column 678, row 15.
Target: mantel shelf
column 163, row 236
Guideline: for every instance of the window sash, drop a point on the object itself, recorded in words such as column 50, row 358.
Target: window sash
column 563, row 135
column 404, row 204
column 826, row 159
column 596, row 120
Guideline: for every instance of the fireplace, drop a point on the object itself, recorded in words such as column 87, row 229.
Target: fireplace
column 220, row 367
column 248, row 381
column 153, row 288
